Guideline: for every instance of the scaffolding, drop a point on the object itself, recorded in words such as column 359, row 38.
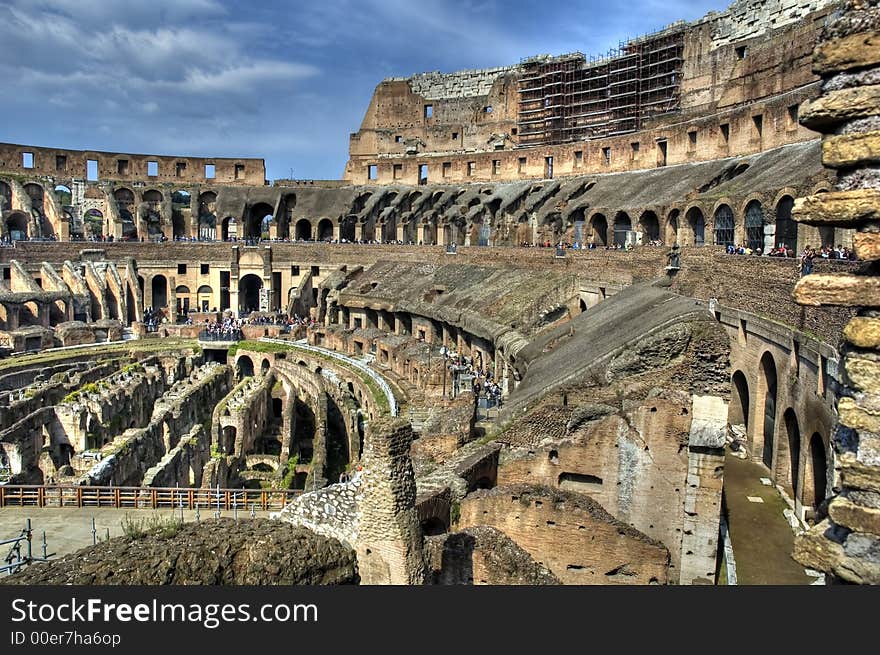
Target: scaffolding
column 570, row 98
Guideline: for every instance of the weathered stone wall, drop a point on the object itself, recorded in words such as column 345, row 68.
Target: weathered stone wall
column 482, row 556
column 65, row 165
column 182, row 465
column 570, row 534
column 808, row 381
column 750, row 60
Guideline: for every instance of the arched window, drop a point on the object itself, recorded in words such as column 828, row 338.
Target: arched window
column 724, row 226
column 755, row 226
column 786, row 228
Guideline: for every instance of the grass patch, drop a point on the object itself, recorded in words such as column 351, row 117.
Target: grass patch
column 155, row 525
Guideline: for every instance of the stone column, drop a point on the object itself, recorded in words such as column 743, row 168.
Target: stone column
column 845, row 543
column 389, row 544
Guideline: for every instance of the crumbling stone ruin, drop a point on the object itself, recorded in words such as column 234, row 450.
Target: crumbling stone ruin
column 470, row 361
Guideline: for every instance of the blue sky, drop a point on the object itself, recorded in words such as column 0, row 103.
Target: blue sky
column 286, row 81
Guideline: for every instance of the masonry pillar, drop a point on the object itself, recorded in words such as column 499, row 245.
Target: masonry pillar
column 389, row 544
column 702, row 497
column 148, row 291
column 233, row 280
column 172, row 300
column 12, row 317
column 441, row 234
column 400, row 232
column 358, row 231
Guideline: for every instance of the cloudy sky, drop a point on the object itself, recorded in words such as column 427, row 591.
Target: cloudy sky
column 286, row 80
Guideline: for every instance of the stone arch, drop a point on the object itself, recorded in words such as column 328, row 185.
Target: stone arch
column 249, row 292
column 36, row 193
column 204, row 294
column 303, row 230
column 245, row 366
column 5, row 196
column 181, row 200
column 93, row 223
column 325, row 230
column 816, row 472
column 64, row 195
column 265, row 365
column 724, row 226
column 754, row 225
column 671, row 227
column 650, row 226
column 182, row 293
column 285, row 216
column 259, row 218
column 766, row 402
column 125, row 207
column 159, row 287
column 696, row 226
column 789, row 452
column 622, row 225
column 229, row 228
column 207, row 216
column 599, row 226
column 739, row 400
column 786, row 227
column 17, row 226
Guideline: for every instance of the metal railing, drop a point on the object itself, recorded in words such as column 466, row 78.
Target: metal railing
column 15, row 559
column 145, row 497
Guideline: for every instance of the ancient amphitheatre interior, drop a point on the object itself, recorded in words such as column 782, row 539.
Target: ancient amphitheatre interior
column 398, row 368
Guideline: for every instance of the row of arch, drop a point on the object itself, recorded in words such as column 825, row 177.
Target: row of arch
column 796, row 459
column 692, row 228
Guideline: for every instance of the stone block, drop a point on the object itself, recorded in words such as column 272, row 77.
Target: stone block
column 828, row 547
column 847, row 150
column 842, row 290
column 857, row 475
column 854, row 51
column 863, row 370
column 867, row 245
column 863, row 332
column 840, row 208
column 855, row 517
column 861, row 414
column 836, row 107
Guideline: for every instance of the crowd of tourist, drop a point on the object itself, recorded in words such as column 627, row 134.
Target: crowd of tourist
column 483, row 383
column 227, row 328
column 152, row 318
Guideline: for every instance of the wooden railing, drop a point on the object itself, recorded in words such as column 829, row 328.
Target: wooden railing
column 145, row 497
